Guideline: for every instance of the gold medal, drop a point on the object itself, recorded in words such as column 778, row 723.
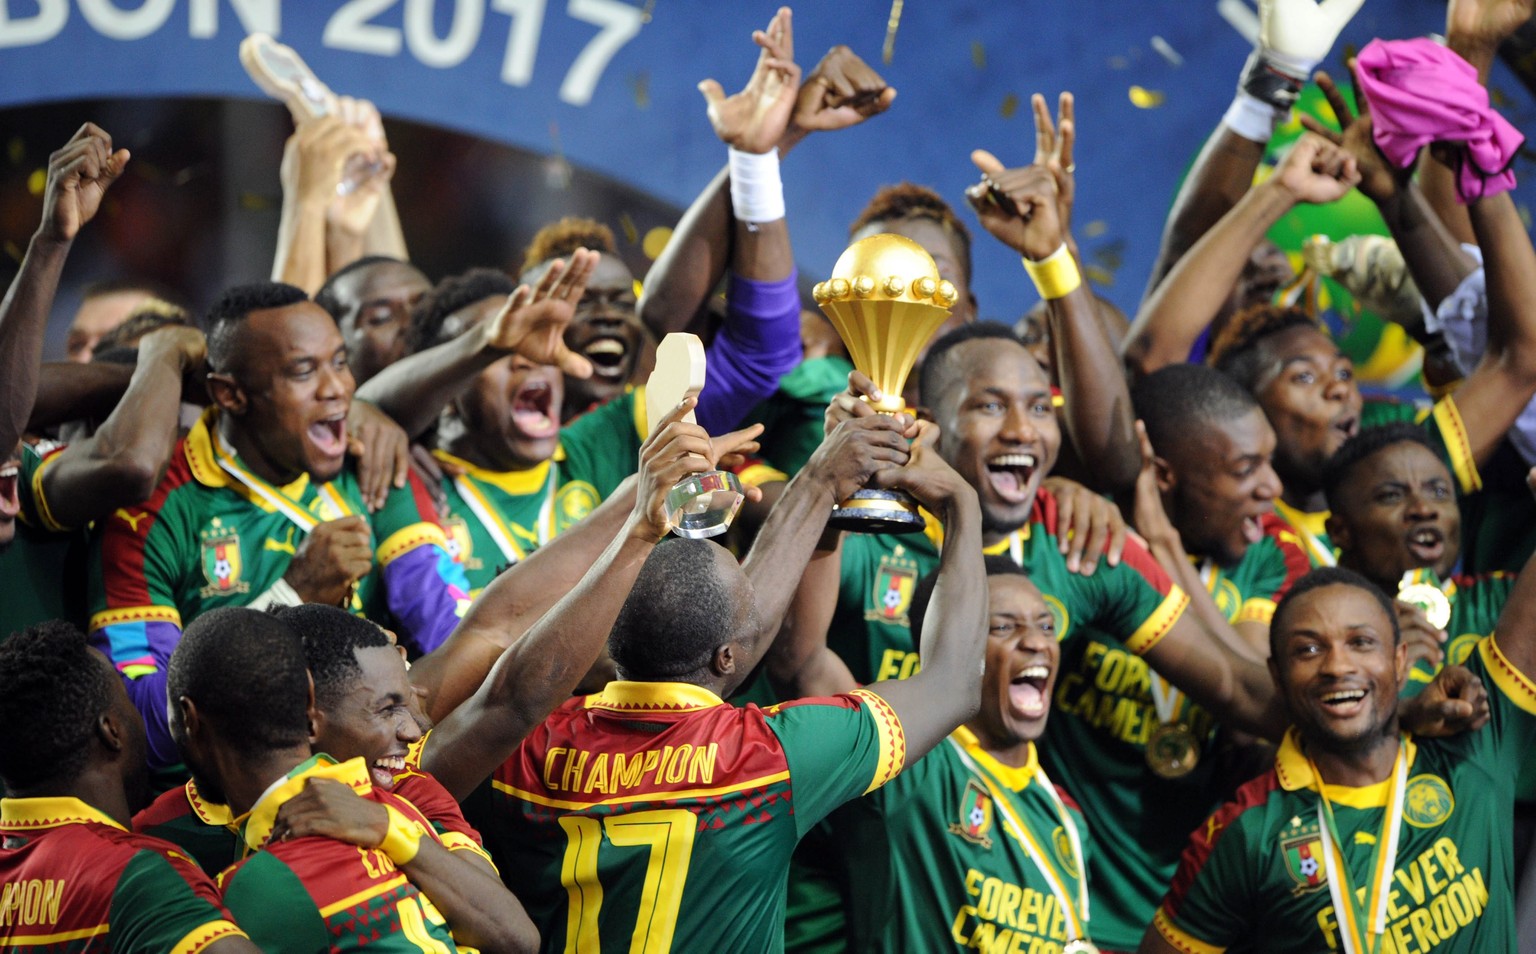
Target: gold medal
column 1080, row 946
column 1429, row 598
column 1172, row 752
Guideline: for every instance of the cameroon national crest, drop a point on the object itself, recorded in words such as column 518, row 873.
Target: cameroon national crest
column 975, row 815
column 894, row 583
column 1302, row 846
column 221, row 561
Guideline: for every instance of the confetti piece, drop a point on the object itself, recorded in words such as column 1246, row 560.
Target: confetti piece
column 640, row 86
column 1499, row 98
column 978, row 55
column 891, row 25
column 251, row 202
column 13, row 250
column 16, row 149
column 1095, row 228
column 1119, row 63
column 1099, row 276
column 557, row 172
column 1241, row 17
column 656, row 242
column 1143, row 98
column 37, row 181
column 1166, row 51
column 1010, row 105
column 631, row 234
column 647, row 10
column 639, row 287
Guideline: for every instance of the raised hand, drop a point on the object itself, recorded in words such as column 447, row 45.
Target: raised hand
column 926, row 476
column 532, row 323
column 1379, row 179
column 382, row 449
column 861, row 400
column 1018, row 206
column 841, row 91
column 1148, row 514
column 1053, row 150
column 755, row 119
column 1317, row 171
column 1481, row 25
column 332, row 558
column 1302, row 31
column 1423, row 638
column 855, row 451
column 78, row 176
column 320, row 153
column 673, row 451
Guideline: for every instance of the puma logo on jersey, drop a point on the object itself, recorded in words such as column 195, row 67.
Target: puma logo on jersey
column 286, row 546
column 132, row 519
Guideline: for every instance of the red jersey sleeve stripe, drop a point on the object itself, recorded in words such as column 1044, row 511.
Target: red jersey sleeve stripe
column 1202, row 841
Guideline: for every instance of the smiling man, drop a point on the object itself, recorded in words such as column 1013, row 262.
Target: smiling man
column 260, row 505
column 1364, row 837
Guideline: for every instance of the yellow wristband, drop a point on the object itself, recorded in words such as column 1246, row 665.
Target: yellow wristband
column 403, row 840
column 1056, row 275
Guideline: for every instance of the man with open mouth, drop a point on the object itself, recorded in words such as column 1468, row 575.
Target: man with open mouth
column 261, row 505
column 1364, row 837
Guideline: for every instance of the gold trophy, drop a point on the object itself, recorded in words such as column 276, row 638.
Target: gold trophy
column 885, row 299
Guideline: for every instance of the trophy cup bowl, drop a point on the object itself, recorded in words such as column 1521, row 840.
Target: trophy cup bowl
column 885, row 299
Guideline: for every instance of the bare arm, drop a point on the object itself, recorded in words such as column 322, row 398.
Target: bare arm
column 314, row 160
column 799, row 662
column 122, row 462
column 414, row 389
column 1172, row 318
column 947, row 690
column 70, row 391
column 78, row 176
column 1517, row 623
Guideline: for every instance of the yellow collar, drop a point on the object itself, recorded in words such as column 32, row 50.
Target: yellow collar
column 659, row 696
column 934, row 531
column 516, row 483
column 256, row 824
column 198, row 448
column 1315, row 523
column 209, row 813
column 36, row 814
column 1295, row 773
column 1016, row 778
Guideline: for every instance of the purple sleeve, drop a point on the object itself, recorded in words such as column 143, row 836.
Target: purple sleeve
column 758, row 344
column 427, row 592
column 148, row 695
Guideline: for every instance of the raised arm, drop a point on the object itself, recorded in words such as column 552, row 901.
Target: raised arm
column 947, row 690
column 415, row 389
column 540, row 670
column 122, row 462
column 1294, row 37
column 315, row 161
column 71, row 391
column 78, row 176
column 1022, row 209
column 1173, row 317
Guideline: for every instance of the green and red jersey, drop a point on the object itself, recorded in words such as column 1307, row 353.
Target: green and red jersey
column 214, row 534
column 317, row 894
column 933, row 861
column 45, row 565
column 74, row 881
column 656, row 815
column 1255, row 876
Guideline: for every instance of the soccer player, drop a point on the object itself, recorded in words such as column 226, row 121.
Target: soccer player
column 240, row 699
column 371, row 300
column 1395, row 521
column 1364, row 837
column 971, row 847
column 656, row 782
column 72, row 873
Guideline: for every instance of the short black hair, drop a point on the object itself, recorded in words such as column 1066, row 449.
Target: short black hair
column 932, row 380
column 229, row 312
column 1367, row 442
column 53, row 688
column 1235, row 350
column 430, row 315
column 331, row 637
column 245, row 672
column 995, row 564
column 1180, row 400
column 326, row 297
column 1330, row 576
column 678, row 613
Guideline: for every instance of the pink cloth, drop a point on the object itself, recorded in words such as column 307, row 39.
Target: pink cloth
column 1420, row 92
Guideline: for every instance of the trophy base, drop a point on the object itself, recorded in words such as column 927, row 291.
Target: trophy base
column 878, row 511
column 704, row 505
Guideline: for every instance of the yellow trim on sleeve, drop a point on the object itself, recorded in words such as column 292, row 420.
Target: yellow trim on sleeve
column 759, row 474
column 29, row 940
column 414, row 537
column 370, row 892
column 1516, row 685
column 1180, row 939
column 205, row 934
column 1454, row 433
column 135, row 614
column 892, row 754
column 40, row 499
column 458, row 841
column 1151, row 632
column 1256, row 610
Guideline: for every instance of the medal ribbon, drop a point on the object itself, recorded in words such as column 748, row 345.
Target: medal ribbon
column 1363, row 923
column 273, row 497
column 1322, row 554
column 1076, row 915
column 506, row 542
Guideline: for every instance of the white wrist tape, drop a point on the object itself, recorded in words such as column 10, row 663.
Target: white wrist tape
column 1252, row 118
column 280, row 594
column 757, row 193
